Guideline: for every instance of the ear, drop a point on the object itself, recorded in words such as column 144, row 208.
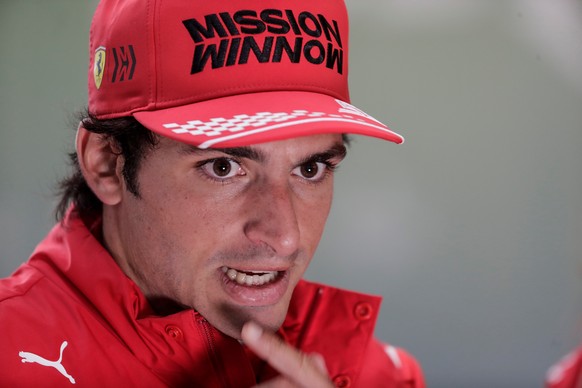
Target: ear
column 101, row 165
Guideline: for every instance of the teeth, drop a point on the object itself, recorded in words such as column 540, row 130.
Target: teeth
column 250, row 278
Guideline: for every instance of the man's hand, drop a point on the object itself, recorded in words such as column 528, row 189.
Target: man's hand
column 297, row 369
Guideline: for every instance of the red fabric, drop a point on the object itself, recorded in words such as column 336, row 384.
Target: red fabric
column 226, row 73
column 566, row 373
column 71, row 305
column 156, row 64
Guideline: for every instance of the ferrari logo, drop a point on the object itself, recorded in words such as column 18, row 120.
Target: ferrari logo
column 99, row 66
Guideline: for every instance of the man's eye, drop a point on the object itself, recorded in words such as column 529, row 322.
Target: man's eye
column 312, row 171
column 222, row 168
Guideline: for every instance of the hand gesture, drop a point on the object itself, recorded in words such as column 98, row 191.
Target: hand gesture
column 297, row 369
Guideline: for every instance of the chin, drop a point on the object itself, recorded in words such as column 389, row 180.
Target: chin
column 232, row 319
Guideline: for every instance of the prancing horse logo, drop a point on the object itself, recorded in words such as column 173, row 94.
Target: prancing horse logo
column 99, row 66
column 31, row 357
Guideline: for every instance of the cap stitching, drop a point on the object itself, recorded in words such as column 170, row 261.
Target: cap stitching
column 156, row 104
column 156, row 37
column 151, row 47
column 330, row 91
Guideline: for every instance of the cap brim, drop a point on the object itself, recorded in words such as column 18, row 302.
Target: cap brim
column 246, row 119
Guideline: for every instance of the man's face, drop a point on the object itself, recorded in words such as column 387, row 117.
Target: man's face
column 227, row 232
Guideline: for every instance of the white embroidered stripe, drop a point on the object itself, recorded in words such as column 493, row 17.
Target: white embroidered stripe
column 393, row 354
column 212, row 142
column 217, row 125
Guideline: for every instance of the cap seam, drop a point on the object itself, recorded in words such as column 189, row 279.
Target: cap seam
column 309, row 88
column 130, row 110
column 156, row 37
column 152, row 88
column 90, row 76
column 204, row 97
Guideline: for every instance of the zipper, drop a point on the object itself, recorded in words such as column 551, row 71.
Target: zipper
column 213, row 354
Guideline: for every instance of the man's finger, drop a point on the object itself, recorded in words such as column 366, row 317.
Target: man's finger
column 277, row 382
column 319, row 362
column 299, row 368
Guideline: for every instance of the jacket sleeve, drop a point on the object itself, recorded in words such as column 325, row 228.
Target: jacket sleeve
column 389, row 366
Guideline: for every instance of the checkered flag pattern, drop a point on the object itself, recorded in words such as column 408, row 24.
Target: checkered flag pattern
column 219, row 125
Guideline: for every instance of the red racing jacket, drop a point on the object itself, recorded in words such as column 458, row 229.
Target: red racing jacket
column 566, row 373
column 71, row 316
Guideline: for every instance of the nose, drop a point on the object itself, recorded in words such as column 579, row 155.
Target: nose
column 273, row 219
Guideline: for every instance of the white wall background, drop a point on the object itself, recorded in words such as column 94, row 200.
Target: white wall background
column 471, row 230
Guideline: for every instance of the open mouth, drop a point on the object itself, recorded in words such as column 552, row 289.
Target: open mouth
column 250, row 278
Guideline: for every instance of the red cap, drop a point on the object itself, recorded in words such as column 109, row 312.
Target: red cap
column 226, row 73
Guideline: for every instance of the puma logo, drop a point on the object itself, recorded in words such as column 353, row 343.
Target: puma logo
column 31, row 357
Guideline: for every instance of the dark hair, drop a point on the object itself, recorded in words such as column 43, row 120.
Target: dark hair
column 132, row 140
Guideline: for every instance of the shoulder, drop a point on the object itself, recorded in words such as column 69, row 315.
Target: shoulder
column 26, row 321
column 29, row 302
column 567, row 372
column 385, row 362
column 15, row 289
column 340, row 324
column 19, row 282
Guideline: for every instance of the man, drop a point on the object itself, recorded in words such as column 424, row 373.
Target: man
column 203, row 179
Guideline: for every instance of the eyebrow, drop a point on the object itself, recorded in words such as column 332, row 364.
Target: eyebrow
column 338, row 150
column 237, row 152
